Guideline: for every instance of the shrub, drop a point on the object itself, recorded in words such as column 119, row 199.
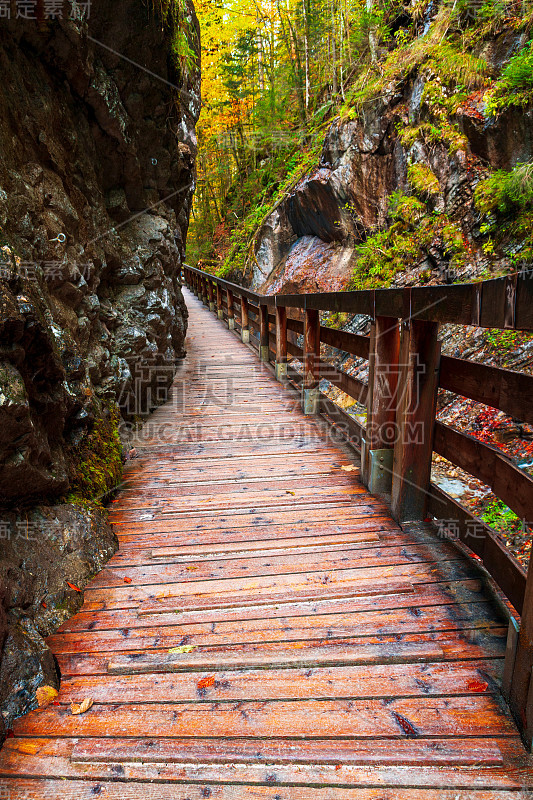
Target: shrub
column 515, row 86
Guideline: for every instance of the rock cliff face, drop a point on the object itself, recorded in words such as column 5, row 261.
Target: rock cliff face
column 97, row 151
column 308, row 243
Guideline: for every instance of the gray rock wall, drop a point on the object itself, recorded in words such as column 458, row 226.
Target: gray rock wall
column 96, row 179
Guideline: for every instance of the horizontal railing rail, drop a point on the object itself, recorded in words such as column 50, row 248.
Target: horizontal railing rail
column 406, row 370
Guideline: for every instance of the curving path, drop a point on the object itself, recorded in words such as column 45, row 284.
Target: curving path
column 266, row 630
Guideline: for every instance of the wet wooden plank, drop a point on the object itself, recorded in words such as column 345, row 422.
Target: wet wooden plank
column 406, row 649
column 368, row 718
column 67, row 760
column 330, row 627
column 28, row 789
column 261, row 565
column 384, row 648
column 408, row 752
column 383, row 680
column 427, row 595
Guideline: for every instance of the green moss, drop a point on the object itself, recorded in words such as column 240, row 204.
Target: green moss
column 405, row 243
column 506, row 340
column 176, row 17
column 500, row 518
column 98, row 465
column 337, row 320
column 280, row 177
column 515, row 86
column 506, row 199
column 423, row 180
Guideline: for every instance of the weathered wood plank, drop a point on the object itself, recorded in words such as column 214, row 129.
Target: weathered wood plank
column 368, row 718
column 383, row 680
column 471, row 591
column 28, row 789
column 135, row 762
column 287, row 629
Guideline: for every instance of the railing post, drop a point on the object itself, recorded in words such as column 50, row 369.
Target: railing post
column 205, row 300
column 220, row 307
column 245, row 321
column 281, row 343
column 310, row 398
column 231, row 314
column 210, row 294
column 519, row 662
column 415, row 418
column 264, row 333
column 378, row 446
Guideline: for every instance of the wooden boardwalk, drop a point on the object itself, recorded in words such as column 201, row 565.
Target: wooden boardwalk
column 266, row 630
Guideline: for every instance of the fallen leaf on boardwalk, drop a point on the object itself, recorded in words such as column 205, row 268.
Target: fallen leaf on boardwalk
column 45, row 695
column 185, row 648
column 192, row 568
column 406, row 726
column 289, row 492
column 477, row 686
column 205, row 683
column 84, row 706
column 29, row 748
column 127, row 580
column 349, row 467
column 71, row 586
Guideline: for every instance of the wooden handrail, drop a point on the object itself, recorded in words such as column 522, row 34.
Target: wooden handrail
column 511, row 392
column 405, row 373
column 505, row 303
column 508, row 482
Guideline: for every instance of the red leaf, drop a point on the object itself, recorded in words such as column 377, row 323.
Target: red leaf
column 44, row 604
column 71, row 586
column 477, row 686
column 10, row 735
column 127, row 580
column 205, row 683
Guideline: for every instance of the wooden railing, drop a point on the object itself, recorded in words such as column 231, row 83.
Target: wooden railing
column 406, row 370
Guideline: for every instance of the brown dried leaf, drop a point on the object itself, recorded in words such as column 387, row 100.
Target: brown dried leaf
column 45, row 695
column 349, row 467
column 84, row 706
